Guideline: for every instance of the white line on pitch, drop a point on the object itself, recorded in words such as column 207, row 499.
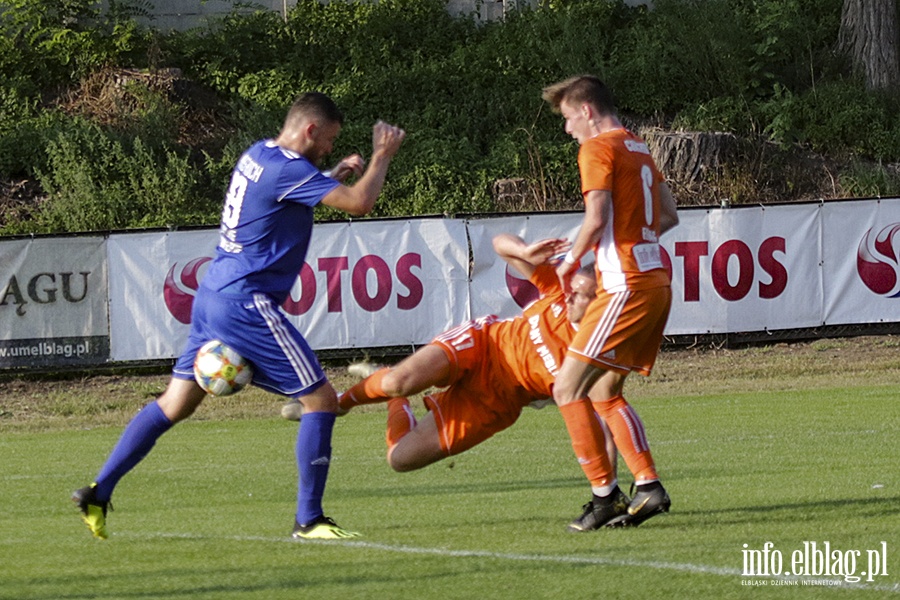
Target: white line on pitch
column 544, row 558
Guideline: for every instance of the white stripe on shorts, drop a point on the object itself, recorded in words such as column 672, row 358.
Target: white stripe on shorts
column 605, row 325
column 304, row 370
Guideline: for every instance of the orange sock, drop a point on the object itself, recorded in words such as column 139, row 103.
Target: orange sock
column 367, row 391
column 628, row 433
column 400, row 421
column 589, row 443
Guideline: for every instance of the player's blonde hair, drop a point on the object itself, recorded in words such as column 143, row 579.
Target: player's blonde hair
column 581, row 89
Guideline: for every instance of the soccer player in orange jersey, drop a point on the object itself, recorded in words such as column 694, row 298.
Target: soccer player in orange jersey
column 491, row 368
column 627, row 206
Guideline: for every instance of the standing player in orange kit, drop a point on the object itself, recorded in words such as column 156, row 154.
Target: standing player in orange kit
column 628, row 206
column 491, row 368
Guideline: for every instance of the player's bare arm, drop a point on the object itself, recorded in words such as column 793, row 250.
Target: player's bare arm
column 359, row 199
column 597, row 210
column 668, row 213
column 525, row 257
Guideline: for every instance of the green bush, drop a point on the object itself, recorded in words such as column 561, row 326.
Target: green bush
column 467, row 93
column 867, row 180
column 95, row 181
column 837, row 117
column 58, row 42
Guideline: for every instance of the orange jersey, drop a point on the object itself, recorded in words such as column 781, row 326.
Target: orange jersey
column 628, row 253
column 534, row 344
column 514, row 361
column 499, row 367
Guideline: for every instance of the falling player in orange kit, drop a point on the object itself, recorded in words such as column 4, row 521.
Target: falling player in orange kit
column 491, row 368
column 627, row 207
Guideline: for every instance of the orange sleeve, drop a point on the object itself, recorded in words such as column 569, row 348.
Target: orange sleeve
column 595, row 164
column 545, row 280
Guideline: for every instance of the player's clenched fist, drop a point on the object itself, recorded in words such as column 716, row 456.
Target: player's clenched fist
column 387, row 138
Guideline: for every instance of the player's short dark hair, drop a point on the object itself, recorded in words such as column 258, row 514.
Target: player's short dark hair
column 581, row 89
column 315, row 105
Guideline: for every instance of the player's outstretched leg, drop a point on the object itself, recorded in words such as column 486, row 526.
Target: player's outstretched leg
column 136, row 441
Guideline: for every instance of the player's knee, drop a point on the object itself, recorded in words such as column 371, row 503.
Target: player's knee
column 396, row 383
column 180, row 400
column 563, row 395
column 399, row 466
column 398, row 463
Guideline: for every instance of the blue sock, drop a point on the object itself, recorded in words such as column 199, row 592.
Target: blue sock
column 136, row 442
column 313, row 458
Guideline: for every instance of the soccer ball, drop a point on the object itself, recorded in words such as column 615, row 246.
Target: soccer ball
column 221, row 371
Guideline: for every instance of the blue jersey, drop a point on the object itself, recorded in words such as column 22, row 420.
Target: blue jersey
column 266, row 222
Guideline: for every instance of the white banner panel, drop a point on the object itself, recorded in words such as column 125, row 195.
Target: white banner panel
column 745, row 269
column 364, row 284
column 738, row 269
column 496, row 289
column 53, row 302
column 382, row 283
column 862, row 261
column 153, row 279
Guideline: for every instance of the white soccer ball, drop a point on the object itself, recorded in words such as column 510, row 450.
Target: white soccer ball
column 221, row 371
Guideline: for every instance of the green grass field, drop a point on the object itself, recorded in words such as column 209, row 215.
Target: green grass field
column 208, row 514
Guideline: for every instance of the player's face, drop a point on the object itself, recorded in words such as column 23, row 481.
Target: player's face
column 584, row 290
column 577, row 124
column 323, row 136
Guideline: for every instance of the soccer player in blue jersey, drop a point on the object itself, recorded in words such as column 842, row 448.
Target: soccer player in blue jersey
column 264, row 236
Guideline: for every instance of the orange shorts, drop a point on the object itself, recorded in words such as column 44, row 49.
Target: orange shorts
column 622, row 331
column 481, row 399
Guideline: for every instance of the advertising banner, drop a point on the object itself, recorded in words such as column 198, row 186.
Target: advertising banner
column 377, row 283
column 364, row 284
column 745, row 269
column 496, row 288
column 53, row 302
column 861, row 260
column 738, row 269
column 153, row 279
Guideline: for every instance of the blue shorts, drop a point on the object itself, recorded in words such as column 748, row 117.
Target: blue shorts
column 259, row 331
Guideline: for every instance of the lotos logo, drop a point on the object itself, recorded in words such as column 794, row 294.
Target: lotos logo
column 179, row 290
column 523, row 291
column 878, row 261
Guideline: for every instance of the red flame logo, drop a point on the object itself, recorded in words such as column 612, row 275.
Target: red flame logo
column 523, row 291
column 878, row 261
column 179, row 291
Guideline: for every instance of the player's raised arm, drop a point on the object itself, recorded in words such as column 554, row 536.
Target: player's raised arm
column 597, row 212
column 525, row 257
column 359, row 198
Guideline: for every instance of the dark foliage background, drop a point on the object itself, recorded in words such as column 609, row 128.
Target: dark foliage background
column 106, row 124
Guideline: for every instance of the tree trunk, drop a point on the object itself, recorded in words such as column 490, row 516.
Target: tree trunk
column 869, row 36
column 688, row 157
